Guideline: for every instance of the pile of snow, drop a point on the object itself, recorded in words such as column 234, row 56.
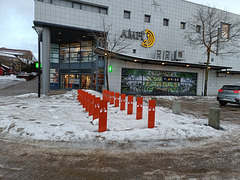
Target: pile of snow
column 12, row 77
column 185, row 97
column 62, row 118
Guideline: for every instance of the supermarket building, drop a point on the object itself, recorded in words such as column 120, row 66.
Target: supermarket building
column 156, row 60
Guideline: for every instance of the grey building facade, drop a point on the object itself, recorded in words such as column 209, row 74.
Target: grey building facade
column 156, row 60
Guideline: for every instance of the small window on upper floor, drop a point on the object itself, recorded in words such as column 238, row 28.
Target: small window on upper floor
column 147, row 18
column 76, row 6
column 47, row 1
column 182, row 25
column 165, row 22
column 55, row 2
column 198, row 29
column 225, row 30
column 126, row 14
column 103, row 10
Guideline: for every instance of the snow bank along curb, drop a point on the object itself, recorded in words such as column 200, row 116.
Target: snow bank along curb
column 62, row 118
column 12, row 78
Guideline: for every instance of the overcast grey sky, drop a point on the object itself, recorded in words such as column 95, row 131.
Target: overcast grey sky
column 16, row 21
column 228, row 5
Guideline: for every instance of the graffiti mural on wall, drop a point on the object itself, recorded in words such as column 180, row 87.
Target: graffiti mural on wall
column 136, row 81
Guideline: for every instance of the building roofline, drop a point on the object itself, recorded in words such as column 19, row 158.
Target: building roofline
column 45, row 24
column 229, row 72
column 167, row 62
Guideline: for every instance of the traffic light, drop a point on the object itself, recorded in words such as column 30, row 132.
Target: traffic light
column 110, row 68
column 36, row 65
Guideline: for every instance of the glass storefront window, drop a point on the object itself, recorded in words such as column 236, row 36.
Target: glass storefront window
column 75, row 75
column 100, row 76
column 70, row 81
column 87, row 56
column 75, row 45
column 158, row 82
column 54, row 53
column 86, row 48
column 101, row 70
column 64, row 53
column 86, row 43
column 53, row 75
column 64, row 58
column 86, row 82
column 73, row 57
column 100, row 82
column 64, row 47
column 54, row 78
column 76, row 52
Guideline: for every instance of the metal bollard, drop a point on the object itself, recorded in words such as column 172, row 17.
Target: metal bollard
column 102, row 126
column 130, row 105
column 139, row 108
column 151, row 113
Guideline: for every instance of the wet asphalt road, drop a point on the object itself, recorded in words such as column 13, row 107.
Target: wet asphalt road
column 200, row 106
column 20, row 88
column 215, row 160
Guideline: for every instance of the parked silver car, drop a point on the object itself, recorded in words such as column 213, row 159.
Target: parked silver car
column 229, row 94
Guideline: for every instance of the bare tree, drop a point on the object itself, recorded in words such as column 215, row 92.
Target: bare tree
column 109, row 44
column 216, row 31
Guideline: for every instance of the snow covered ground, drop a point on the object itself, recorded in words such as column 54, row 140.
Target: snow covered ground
column 62, row 118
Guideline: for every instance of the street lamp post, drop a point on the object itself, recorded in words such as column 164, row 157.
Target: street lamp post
column 39, row 31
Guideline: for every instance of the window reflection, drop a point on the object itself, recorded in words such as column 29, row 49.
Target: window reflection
column 225, row 30
column 74, row 52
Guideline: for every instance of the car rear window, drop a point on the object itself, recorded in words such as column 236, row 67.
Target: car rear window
column 231, row 87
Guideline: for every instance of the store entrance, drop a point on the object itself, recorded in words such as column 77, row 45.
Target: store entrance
column 88, row 81
column 70, row 81
column 76, row 81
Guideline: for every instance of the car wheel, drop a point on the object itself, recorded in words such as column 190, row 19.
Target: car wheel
column 222, row 103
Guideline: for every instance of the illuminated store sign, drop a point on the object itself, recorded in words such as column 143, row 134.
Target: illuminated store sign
column 171, row 79
column 147, row 37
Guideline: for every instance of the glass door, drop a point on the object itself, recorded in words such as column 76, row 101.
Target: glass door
column 86, row 81
column 75, row 81
column 70, row 81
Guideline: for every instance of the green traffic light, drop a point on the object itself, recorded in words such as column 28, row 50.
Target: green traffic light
column 36, row 65
column 110, row 68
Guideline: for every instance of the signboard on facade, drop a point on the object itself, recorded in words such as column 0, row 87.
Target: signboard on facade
column 146, row 36
column 171, row 79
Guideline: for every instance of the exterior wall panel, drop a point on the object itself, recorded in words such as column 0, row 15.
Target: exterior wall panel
column 168, row 38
